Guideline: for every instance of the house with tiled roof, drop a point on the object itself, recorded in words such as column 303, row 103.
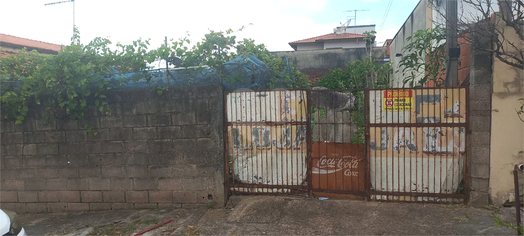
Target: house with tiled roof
column 316, row 56
column 11, row 45
column 342, row 37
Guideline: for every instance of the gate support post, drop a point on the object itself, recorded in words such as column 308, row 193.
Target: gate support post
column 309, row 132
column 366, row 143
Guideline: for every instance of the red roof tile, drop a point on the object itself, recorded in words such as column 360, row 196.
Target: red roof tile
column 331, row 36
column 28, row 43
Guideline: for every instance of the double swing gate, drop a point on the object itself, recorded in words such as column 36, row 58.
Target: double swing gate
column 386, row 145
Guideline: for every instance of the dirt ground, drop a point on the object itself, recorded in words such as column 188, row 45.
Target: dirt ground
column 281, row 215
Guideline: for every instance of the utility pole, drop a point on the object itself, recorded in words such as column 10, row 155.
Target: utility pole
column 73, row 1
column 356, row 14
column 452, row 48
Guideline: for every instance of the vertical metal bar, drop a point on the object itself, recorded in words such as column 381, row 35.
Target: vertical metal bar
column 234, row 161
column 420, row 160
column 267, row 146
column 288, row 151
column 341, row 126
column 258, row 147
column 279, row 118
column 408, row 109
column 429, row 155
column 440, row 140
column 517, row 198
column 377, row 100
column 309, row 144
column 387, row 154
column 249, row 130
column 241, row 108
column 226, row 146
column 232, row 149
column 467, row 181
column 294, row 150
column 446, row 158
column 452, row 137
column 334, row 140
column 435, row 156
column 367, row 142
column 291, row 155
column 404, row 133
column 299, row 155
column 272, row 132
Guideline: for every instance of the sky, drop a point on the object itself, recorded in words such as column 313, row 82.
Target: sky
column 274, row 23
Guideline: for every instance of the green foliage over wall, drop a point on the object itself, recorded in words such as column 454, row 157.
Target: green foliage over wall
column 65, row 83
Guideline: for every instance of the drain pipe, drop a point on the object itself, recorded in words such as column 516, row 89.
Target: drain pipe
column 518, row 167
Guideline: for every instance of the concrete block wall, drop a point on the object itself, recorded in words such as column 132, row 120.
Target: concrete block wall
column 480, row 91
column 152, row 151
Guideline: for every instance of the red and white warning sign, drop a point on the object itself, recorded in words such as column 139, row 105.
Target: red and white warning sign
column 389, row 103
column 398, row 100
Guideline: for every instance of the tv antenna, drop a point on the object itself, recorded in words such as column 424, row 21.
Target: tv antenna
column 73, row 1
column 355, row 18
column 346, row 24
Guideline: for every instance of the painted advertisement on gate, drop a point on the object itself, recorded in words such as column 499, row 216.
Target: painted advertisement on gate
column 338, row 166
column 415, row 157
column 418, row 106
column 267, row 137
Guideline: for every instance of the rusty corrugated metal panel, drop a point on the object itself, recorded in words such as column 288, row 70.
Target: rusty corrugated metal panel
column 338, row 168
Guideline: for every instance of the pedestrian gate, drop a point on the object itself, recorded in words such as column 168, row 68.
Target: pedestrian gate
column 386, row 145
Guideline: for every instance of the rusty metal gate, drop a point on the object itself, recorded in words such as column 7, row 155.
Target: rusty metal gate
column 267, row 141
column 385, row 145
column 417, row 147
column 338, row 160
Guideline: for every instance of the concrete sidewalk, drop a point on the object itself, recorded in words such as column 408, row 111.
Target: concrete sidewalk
column 281, row 215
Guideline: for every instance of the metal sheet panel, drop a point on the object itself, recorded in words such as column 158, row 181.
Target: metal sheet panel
column 418, row 146
column 267, row 140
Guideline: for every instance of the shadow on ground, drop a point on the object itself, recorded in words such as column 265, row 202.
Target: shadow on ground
column 281, row 215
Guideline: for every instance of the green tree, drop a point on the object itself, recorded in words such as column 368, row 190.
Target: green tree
column 424, row 57
column 370, row 41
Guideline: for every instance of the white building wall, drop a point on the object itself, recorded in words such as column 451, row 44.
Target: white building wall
column 359, row 29
column 310, row 46
column 417, row 20
column 345, row 43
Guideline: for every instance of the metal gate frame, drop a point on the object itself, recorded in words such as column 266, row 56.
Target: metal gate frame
column 460, row 125
column 457, row 123
column 289, row 153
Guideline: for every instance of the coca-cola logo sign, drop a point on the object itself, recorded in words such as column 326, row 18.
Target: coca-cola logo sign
column 329, row 165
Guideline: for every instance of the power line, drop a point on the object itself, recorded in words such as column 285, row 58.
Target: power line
column 385, row 15
column 73, row 1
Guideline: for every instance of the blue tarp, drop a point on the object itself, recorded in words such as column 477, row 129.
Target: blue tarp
column 243, row 72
